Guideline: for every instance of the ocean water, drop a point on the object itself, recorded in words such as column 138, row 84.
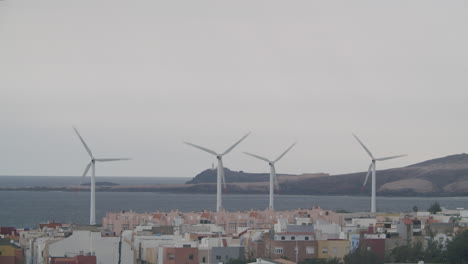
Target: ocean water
column 28, row 209
column 23, row 181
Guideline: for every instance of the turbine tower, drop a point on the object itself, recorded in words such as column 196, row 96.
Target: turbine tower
column 273, row 179
column 92, row 165
column 220, row 177
column 372, row 168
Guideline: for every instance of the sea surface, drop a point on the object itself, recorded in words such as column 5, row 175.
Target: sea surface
column 24, row 181
column 28, row 209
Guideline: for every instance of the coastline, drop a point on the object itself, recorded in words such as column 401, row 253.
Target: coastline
column 209, row 189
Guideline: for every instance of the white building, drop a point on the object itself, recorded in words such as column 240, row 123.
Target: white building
column 83, row 242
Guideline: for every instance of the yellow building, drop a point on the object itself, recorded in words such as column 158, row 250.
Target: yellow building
column 333, row 248
column 10, row 253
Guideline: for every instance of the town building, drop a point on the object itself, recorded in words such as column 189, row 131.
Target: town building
column 10, row 253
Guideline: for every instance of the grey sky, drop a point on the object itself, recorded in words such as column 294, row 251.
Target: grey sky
column 139, row 77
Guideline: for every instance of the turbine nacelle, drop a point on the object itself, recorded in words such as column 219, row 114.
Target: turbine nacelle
column 92, row 164
column 273, row 178
column 372, row 169
column 220, row 175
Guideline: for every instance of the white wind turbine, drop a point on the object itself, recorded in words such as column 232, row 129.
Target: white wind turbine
column 273, row 179
column 92, row 163
column 220, row 176
column 372, row 168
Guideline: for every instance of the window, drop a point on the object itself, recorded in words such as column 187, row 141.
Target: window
column 310, row 250
column 306, row 238
column 334, row 250
column 186, row 245
column 293, row 238
column 232, row 227
column 190, row 257
column 279, row 250
column 325, row 250
column 171, row 256
column 204, row 259
column 283, row 238
column 218, row 257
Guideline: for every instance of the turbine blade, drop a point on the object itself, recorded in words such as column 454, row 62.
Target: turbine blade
column 202, row 148
column 284, row 153
column 391, row 157
column 84, row 143
column 367, row 176
column 365, row 148
column 104, row 160
column 233, row 146
column 86, row 170
column 258, row 157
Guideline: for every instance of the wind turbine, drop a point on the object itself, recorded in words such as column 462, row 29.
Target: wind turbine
column 220, row 176
column 372, row 168
column 273, row 179
column 92, row 165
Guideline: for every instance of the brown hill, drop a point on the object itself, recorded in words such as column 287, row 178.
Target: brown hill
column 442, row 176
column 445, row 176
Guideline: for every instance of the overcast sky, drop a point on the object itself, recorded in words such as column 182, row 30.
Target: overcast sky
column 139, row 77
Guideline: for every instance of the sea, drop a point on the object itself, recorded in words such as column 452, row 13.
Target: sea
column 30, row 208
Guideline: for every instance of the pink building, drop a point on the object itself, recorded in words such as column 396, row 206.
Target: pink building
column 232, row 222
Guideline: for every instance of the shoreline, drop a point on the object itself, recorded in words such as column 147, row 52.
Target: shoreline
column 186, row 189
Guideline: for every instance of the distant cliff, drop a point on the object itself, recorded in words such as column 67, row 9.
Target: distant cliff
column 209, row 176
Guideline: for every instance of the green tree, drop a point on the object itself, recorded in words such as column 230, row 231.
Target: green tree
column 435, row 252
column 312, row 261
column 322, row 261
column 457, row 249
column 434, row 208
column 362, row 256
column 342, row 211
column 407, row 253
column 432, row 253
column 333, row 261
